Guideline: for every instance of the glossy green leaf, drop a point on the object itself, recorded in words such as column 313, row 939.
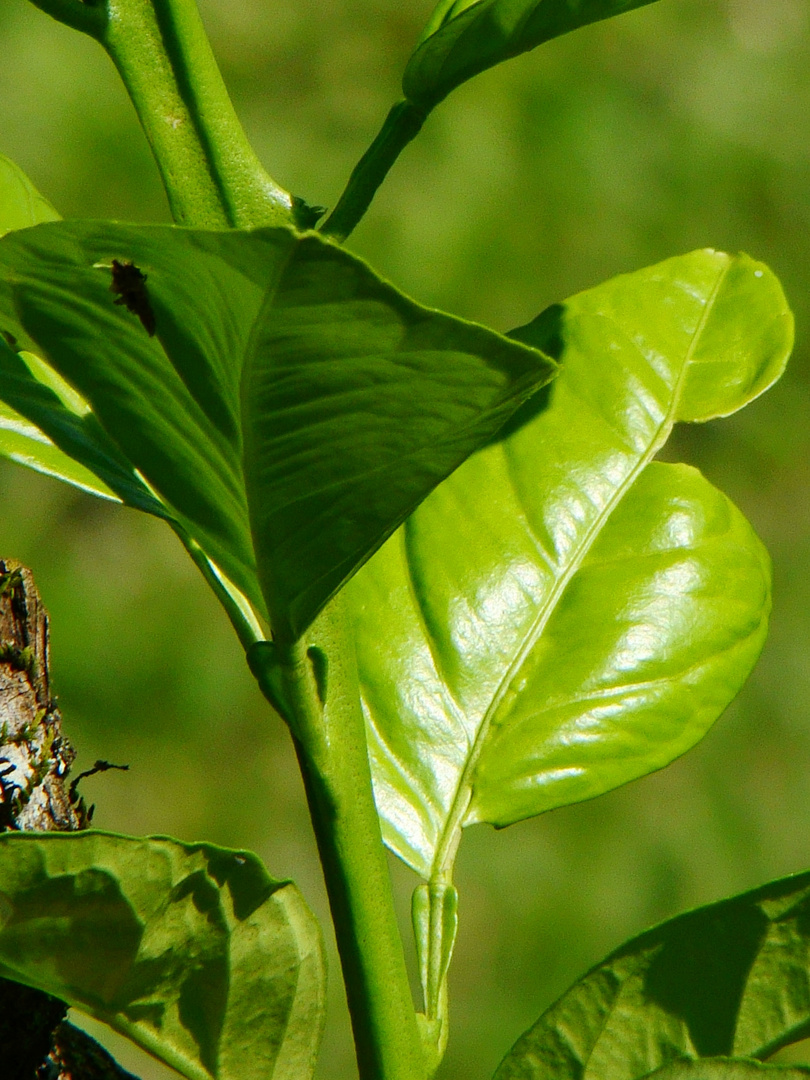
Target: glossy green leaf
column 21, row 205
column 730, row 979
column 192, row 951
column 465, row 37
column 561, row 616
column 289, row 399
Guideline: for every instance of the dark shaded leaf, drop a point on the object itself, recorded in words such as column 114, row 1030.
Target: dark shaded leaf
column 192, row 951
column 730, row 979
column 283, row 374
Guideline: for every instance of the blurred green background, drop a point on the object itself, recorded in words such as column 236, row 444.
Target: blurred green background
column 681, row 125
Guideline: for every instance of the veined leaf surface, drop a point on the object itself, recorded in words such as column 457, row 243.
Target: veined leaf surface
column 730, row 979
column 465, row 37
column 725, row 1068
column 561, row 616
column 192, row 951
column 81, row 441
column 291, row 409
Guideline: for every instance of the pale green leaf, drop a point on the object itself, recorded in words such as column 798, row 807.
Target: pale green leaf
column 561, row 616
column 193, row 952
column 731, row 979
column 21, row 205
column 291, row 409
column 465, row 37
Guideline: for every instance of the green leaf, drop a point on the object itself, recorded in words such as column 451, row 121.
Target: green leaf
column 724, row 1068
column 561, row 616
column 291, row 409
column 193, row 952
column 21, row 205
column 730, row 979
column 25, row 444
column 43, row 423
column 465, row 37
column 45, row 426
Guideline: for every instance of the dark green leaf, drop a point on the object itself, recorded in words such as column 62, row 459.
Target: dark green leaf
column 562, row 616
column 283, row 373
column 724, row 1068
column 192, row 951
column 21, row 204
column 465, row 37
column 56, row 433
column 21, row 439
column 731, row 979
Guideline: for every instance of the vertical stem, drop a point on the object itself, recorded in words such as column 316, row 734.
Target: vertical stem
column 211, row 175
column 209, row 169
column 319, row 694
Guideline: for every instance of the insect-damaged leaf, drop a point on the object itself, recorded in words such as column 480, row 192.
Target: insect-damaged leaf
column 562, row 614
column 730, row 979
column 291, row 409
column 192, row 951
column 465, row 37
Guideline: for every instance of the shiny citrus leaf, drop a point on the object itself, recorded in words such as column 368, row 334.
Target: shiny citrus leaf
column 288, row 398
column 193, row 952
column 560, row 616
column 21, row 205
column 465, row 37
column 730, row 979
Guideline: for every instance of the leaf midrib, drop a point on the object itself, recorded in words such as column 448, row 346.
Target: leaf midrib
column 447, row 845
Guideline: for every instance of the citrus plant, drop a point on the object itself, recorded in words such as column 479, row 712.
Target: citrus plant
column 457, row 570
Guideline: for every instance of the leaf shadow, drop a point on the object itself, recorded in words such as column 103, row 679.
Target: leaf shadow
column 700, row 972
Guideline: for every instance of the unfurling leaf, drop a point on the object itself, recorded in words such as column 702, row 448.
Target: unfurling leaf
column 730, row 980
column 465, row 37
column 564, row 614
column 193, row 952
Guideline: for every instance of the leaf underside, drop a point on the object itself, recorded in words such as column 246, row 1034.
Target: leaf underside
column 193, row 952
column 724, row 1068
column 290, row 410
column 564, row 614
column 728, row 980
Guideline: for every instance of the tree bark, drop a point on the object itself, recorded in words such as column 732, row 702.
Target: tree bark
column 36, row 1042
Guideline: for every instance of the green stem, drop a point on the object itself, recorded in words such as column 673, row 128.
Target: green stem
column 317, row 687
column 211, row 175
column 402, row 124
